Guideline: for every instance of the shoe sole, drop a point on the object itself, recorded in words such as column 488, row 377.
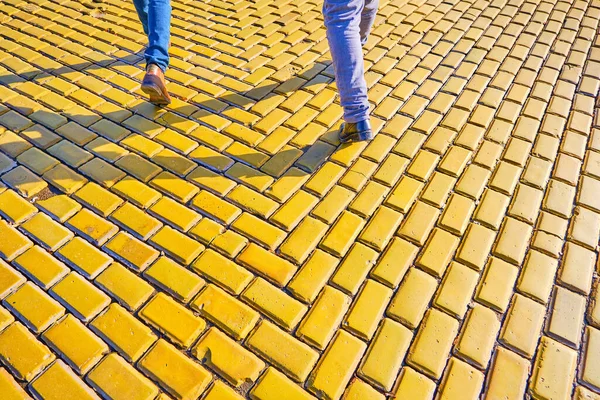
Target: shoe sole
column 357, row 137
column 156, row 96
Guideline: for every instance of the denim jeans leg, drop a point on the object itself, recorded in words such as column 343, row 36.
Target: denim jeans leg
column 141, row 6
column 367, row 18
column 342, row 20
column 155, row 16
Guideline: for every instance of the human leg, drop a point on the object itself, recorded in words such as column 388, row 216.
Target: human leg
column 342, row 19
column 367, row 18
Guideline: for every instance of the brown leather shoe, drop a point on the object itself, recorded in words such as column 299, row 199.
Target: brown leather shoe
column 154, row 86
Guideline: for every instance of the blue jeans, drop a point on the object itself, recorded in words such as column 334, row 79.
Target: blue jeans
column 155, row 16
column 348, row 24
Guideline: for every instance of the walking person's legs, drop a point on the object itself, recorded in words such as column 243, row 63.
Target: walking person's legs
column 155, row 16
column 343, row 20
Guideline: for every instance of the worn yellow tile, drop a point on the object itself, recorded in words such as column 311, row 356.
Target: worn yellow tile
column 413, row 385
column 10, row 388
column 567, row 316
column 419, row 222
column 25, row 182
column 354, row 268
column 228, row 358
column 394, row 262
column 302, row 241
column 220, row 391
column 364, row 316
column 342, row 234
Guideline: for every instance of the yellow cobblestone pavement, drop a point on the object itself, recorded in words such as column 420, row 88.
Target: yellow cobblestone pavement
column 228, row 246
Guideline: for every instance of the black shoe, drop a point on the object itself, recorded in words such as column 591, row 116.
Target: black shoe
column 356, row 132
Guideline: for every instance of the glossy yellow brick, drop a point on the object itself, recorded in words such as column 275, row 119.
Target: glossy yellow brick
column 497, row 284
column 273, row 383
column 457, row 214
column 92, row 227
column 295, row 358
column 10, row 279
column 537, row 277
column 222, row 271
column 394, row 262
column 60, row 207
column 80, row 297
column 456, row 289
column 313, row 275
column 12, row 242
column 567, row 316
column 385, row 354
column 303, row 240
column 462, row 381
column 438, row 252
column 114, row 378
column 15, row 208
column 364, row 316
column 554, row 370
column 216, row 208
column 124, row 286
column 259, row 231
column 522, row 326
column 98, row 199
column 337, row 365
column 59, row 382
column 80, row 348
column 431, row 348
column 369, row 199
column 124, row 332
column 381, row 228
column 220, row 391
column 177, row 245
column 25, row 182
column 419, row 222
column 46, row 232
column 277, row 305
column 10, row 388
column 179, row 189
column 229, row 359
column 354, row 269
column 22, row 353
column 84, row 257
column 508, row 376
column 34, row 307
column 228, row 313
column 172, row 319
column 476, row 246
column 324, row 317
column 64, row 179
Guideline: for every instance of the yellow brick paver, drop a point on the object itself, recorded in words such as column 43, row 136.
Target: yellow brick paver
column 227, row 246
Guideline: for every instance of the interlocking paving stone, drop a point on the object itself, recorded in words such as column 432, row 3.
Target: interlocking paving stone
column 228, row 246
